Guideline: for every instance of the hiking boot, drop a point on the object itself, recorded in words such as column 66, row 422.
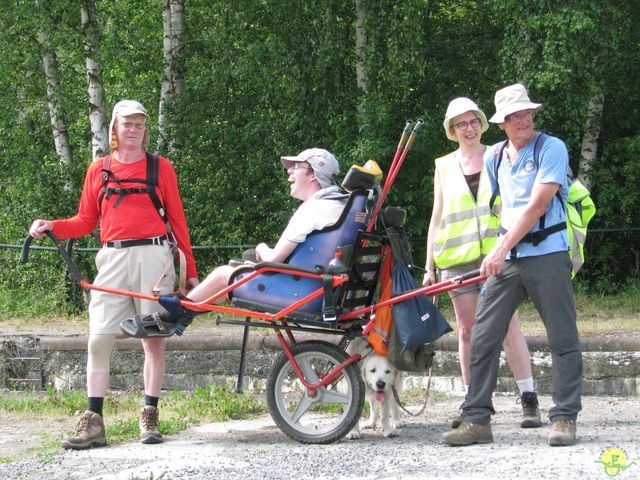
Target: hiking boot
column 468, row 433
column 89, row 433
column 530, row 410
column 149, row 432
column 563, row 433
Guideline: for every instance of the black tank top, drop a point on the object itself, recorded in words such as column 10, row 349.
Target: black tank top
column 473, row 181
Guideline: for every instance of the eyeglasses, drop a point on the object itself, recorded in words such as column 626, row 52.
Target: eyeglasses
column 136, row 126
column 475, row 123
column 299, row 165
column 519, row 115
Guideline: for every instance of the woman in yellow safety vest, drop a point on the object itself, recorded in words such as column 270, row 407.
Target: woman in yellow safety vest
column 462, row 231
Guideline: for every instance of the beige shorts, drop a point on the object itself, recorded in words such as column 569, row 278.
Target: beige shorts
column 449, row 273
column 136, row 269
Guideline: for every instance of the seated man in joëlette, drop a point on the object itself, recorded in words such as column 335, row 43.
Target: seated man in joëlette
column 312, row 180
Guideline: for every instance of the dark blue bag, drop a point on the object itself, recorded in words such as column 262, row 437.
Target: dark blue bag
column 416, row 320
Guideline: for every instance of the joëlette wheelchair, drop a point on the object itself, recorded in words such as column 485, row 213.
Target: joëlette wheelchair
column 315, row 393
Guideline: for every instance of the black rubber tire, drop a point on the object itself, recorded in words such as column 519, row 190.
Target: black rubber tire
column 285, row 392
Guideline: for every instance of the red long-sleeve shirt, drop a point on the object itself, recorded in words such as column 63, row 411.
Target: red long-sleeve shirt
column 136, row 216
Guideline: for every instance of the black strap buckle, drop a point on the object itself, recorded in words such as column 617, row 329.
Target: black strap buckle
column 536, row 237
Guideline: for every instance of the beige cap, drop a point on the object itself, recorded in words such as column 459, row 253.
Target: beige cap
column 124, row 108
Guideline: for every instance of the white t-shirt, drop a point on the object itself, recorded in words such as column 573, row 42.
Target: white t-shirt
column 321, row 210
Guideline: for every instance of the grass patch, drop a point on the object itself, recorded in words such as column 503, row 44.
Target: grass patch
column 178, row 410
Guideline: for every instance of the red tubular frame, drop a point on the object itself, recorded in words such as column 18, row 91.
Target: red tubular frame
column 362, row 313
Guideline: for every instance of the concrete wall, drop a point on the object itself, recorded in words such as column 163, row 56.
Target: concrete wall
column 611, row 367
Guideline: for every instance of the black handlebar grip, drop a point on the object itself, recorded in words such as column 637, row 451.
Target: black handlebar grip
column 25, row 248
column 65, row 254
column 471, row 274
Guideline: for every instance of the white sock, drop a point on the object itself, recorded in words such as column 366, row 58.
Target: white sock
column 525, row 385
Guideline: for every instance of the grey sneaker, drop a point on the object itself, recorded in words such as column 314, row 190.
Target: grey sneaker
column 89, row 433
column 563, row 433
column 149, row 432
column 530, row 410
column 468, row 433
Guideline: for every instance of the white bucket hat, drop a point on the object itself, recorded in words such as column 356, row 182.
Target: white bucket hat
column 124, row 108
column 324, row 164
column 458, row 106
column 511, row 99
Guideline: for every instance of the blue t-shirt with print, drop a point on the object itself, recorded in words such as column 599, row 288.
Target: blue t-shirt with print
column 516, row 182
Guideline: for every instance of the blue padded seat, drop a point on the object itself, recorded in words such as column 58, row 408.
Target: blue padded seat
column 272, row 292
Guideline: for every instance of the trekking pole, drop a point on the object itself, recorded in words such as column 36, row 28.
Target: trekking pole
column 387, row 185
column 401, row 143
column 393, row 173
column 395, row 167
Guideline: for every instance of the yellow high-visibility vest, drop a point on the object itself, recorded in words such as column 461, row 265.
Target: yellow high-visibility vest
column 468, row 229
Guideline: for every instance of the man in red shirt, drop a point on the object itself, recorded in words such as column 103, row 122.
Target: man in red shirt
column 137, row 251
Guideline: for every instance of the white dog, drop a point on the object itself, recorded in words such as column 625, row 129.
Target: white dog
column 379, row 376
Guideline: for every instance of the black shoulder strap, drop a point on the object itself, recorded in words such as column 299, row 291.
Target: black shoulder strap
column 106, row 175
column 153, row 176
column 106, row 172
column 496, row 190
column 153, row 167
column 536, row 158
column 542, row 137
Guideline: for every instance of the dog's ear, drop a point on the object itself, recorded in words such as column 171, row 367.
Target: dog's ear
column 363, row 367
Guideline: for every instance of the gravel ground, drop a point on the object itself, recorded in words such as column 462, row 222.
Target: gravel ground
column 256, row 449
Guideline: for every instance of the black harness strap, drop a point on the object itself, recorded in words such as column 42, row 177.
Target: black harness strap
column 329, row 307
column 151, row 182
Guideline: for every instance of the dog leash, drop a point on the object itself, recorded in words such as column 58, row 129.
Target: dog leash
column 426, row 398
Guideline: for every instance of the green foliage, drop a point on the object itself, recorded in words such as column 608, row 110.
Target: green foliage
column 612, row 266
column 263, row 79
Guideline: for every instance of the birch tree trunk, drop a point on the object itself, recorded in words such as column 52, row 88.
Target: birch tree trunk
column 95, row 88
column 361, row 56
column 59, row 127
column 590, row 137
column 173, row 65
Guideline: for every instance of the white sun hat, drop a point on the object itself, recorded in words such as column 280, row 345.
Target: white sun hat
column 458, row 106
column 511, row 99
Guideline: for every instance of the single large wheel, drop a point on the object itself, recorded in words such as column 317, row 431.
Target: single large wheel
column 332, row 412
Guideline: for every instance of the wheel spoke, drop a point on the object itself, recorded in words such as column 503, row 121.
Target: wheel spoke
column 331, row 396
column 309, row 372
column 303, row 405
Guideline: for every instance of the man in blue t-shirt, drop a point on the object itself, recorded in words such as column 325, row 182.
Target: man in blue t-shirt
column 529, row 261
